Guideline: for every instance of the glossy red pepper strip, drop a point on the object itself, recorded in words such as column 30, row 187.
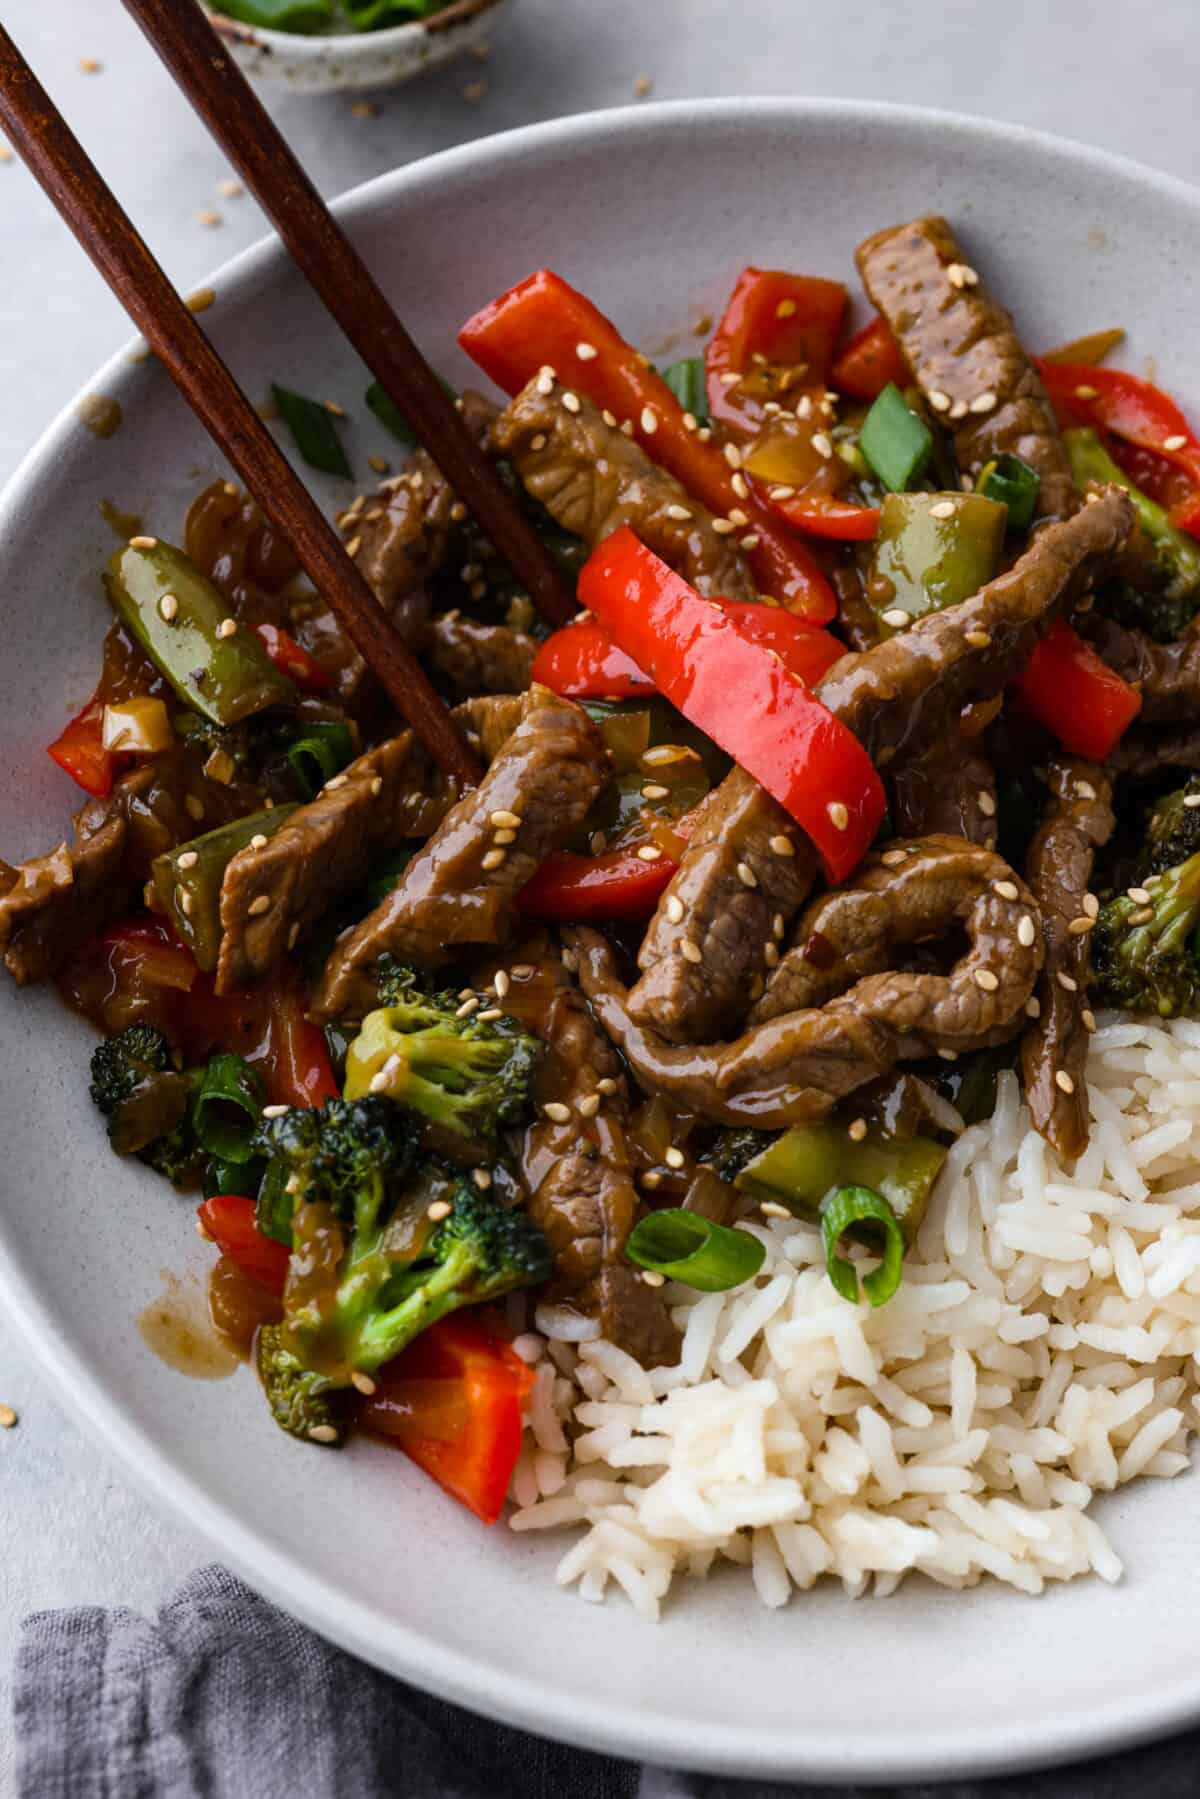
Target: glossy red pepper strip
column 869, row 362
column 788, row 320
column 823, row 516
column 1134, row 410
column 541, row 322
column 582, row 662
column 293, row 661
column 740, row 695
column 485, row 1382
column 1076, row 695
column 230, row 1221
column 616, row 887
column 80, row 751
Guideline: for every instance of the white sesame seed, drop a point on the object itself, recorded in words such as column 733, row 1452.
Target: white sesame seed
column 652, row 791
column 537, row 442
column 781, row 845
column 893, row 858
column 938, row 400
column 674, row 1158
column 729, row 378
column 334, row 782
column 986, row 803
column 649, row 420
column 746, row 875
column 189, row 859
column 508, row 821
column 897, row 618
column 839, row 817
column 1033, row 1007
column 674, row 908
column 610, row 418
column 1091, row 905
column 362, row 1382
column 985, row 402
column 482, row 1178
column 468, row 1006
column 691, row 952
column 571, row 401
column 856, row 1130
column 1079, row 927
column 735, row 514
column 440, row 1208
column 679, row 512
column 942, row 509
column 822, row 444
column 649, row 852
column 1063, row 1081
column 1191, row 800
column 778, row 926
column 1088, row 1018
column 500, row 983
column 227, row 627
column 1006, row 889
column 522, row 971
column 751, row 540
column 490, row 1015
column 493, row 859
column 652, row 1278
column 1084, row 790
column 732, row 455
column 626, row 427
column 503, row 838
column 168, row 606
column 1026, row 931
column 143, row 543
column 376, row 786
column 741, row 488
column 586, row 352
column 958, row 410
column 589, row 1105
column 948, row 1055
column 1084, row 392
column 275, row 1111
column 723, row 526
column 690, row 421
column 985, row 979
column 545, row 382
column 1176, row 441
column 804, row 406
column 1138, row 894
column 606, row 1084
column 651, row 1178
column 258, row 906
column 771, row 954
column 782, row 492
column 1067, row 982
column 556, row 1111
column 1141, row 917
column 785, row 309
column 318, row 1433
column 258, row 841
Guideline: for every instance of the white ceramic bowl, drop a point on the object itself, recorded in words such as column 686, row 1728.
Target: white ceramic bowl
column 360, row 59
column 651, row 211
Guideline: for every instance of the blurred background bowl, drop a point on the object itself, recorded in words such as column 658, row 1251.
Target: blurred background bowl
column 327, row 62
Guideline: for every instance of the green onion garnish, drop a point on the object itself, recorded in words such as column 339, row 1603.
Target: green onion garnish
column 313, row 432
column 280, row 15
column 862, row 1209
column 686, row 381
column 275, row 1205
column 227, row 1108
column 389, row 414
column 325, row 748
column 685, row 1247
column 232, row 1177
column 895, row 442
column 374, row 15
column 1016, row 484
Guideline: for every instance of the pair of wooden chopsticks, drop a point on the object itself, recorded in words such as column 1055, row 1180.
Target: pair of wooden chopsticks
column 194, row 54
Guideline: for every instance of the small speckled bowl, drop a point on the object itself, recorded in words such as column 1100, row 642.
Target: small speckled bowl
column 321, row 64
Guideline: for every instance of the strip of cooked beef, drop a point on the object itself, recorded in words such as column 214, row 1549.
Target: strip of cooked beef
column 580, row 1172
column 592, row 479
column 965, row 355
column 56, row 902
column 898, row 698
column 747, row 868
column 324, row 850
column 796, row 1066
column 488, row 721
column 857, row 619
column 461, row 887
column 474, row 658
column 1143, row 754
column 1078, row 821
column 1167, row 674
column 951, row 790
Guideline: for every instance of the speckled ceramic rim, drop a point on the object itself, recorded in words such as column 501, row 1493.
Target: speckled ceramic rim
column 302, row 47
column 943, row 1748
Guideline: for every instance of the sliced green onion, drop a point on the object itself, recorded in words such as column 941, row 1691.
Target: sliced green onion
column 232, row 1177
column 380, row 402
column 687, row 382
column 325, row 748
column 859, row 1208
column 279, row 15
column 374, row 15
column 387, row 875
column 274, row 1205
column 1016, row 484
column 313, row 432
column 227, row 1108
column 895, row 442
column 685, row 1247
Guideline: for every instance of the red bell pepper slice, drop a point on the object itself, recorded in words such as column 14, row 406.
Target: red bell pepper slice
column 582, row 662
column 293, row 661
column 740, row 695
column 475, row 1430
column 1076, row 695
column 80, row 751
column 869, row 362
column 162, row 960
column 787, row 320
column 1135, row 411
column 823, row 516
column 230, row 1221
column 616, row 887
column 541, row 322
column 295, row 1060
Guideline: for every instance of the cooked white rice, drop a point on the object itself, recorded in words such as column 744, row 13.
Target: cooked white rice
column 1042, row 1348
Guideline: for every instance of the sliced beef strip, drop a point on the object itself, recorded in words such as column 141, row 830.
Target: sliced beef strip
column 548, row 773
column 796, row 1066
column 592, row 479
column 1078, row 821
column 898, row 698
column 966, row 356
column 857, row 619
column 474, row 658
column 1167, row 674
column 716, row 934
column 951, row 790
column 580, row 1178
column 324, row 850
column 1143, row 754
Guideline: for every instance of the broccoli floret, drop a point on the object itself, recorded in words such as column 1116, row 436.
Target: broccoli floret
column 348, row 1152
column 1172, row 830
column 299, row 1405
column 1143, row 954
column 1168, row 608
column 734, row 1149
column 390, row 1286
column 469, row 1077
column 146, row 1103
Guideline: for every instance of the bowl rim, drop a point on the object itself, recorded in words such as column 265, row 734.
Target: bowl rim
column 609, row 1728
column 302, row 46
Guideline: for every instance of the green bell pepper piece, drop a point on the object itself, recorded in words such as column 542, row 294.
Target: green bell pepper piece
column 1178, row 554
column 924, row 561
column 811, row 1161
column 224, row 678
column 190, row 894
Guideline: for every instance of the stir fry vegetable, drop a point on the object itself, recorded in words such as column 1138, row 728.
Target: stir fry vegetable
column 895, row 442
column 934, row 550
column 683, row 1246
column 79, row 750
column 859, row 1210
column 801, row 1169
column 776, row 338
column 188, row 880
column 1073, row 692
column 1137, row 413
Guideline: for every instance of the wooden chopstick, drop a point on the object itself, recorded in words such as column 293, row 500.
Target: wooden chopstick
column 224, row 99
column 59, row 163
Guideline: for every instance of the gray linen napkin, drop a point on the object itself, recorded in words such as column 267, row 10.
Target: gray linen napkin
column 224, row 1697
